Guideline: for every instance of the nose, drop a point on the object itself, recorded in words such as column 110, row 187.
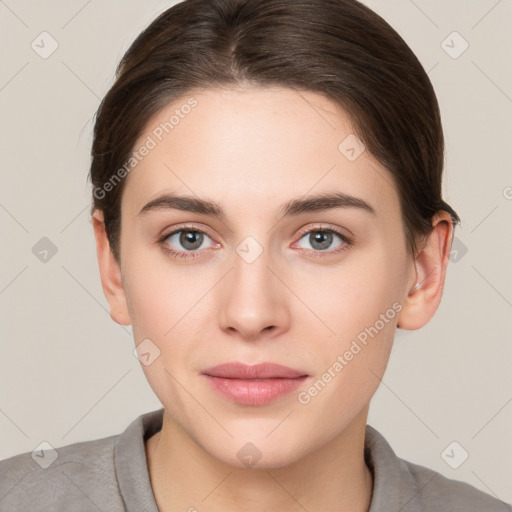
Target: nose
column 253, row 301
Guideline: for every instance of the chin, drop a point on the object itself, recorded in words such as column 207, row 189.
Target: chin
column 249, row 456
column 260, row 453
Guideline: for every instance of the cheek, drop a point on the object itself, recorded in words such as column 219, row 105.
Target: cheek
column 358, row 306
column 350, row 363
column 168, row 308
column 162, row 308
column 160, row 294
column 353, row 295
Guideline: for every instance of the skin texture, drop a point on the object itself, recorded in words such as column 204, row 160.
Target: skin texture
column 251, row 150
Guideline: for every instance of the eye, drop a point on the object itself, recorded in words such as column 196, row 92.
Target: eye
column 324, row 240
column 186, row 242
column 188, row 239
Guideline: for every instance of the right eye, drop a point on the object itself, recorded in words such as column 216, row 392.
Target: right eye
column 185, row 242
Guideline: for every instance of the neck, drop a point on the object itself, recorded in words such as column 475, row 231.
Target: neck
column 184, row 477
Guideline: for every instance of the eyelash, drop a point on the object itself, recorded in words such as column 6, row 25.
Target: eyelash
column 347, row 242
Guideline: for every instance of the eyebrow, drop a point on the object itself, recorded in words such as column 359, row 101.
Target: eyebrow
column 316, row 203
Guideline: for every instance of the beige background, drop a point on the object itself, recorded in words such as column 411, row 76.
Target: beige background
column 67, row 372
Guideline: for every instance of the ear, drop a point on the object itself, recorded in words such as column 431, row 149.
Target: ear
column 110, row 272
column 426, row 289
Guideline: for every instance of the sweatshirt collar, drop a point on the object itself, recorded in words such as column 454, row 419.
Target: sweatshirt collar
column 135, row 486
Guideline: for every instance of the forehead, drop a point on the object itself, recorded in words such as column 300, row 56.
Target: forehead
column 248, row 144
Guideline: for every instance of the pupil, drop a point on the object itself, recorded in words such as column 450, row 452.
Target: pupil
column 323, row 238
column 191, row 237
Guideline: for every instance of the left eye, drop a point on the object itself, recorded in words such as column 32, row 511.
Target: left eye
column 190, row 240
column 322, row 239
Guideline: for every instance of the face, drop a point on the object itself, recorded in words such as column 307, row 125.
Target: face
column 263, row 273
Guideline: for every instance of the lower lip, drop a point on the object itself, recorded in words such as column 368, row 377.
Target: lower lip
column 254, row 392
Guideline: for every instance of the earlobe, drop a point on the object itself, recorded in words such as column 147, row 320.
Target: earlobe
column 424, row 296
column 110, row 272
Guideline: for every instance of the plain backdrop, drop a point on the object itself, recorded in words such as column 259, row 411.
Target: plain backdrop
column 67, row 371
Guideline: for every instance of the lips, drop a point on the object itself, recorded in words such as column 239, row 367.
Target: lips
column 257, row 371
column 259, row 384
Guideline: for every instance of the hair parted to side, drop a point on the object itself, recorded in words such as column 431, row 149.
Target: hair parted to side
column 339, row 48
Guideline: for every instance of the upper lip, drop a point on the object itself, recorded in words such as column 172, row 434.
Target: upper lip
column 237, row 370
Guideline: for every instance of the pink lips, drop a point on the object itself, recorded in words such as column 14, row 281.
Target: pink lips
column 259, row 384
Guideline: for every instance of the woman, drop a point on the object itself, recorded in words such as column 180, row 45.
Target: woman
column 267, row 210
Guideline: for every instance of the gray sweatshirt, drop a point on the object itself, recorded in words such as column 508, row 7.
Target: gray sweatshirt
column 111, row 475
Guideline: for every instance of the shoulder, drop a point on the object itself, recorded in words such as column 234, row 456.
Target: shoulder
column 401, row 485
column 73, row 477
column 434, row 492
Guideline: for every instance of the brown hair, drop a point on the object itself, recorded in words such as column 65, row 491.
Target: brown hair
column 339, row 48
